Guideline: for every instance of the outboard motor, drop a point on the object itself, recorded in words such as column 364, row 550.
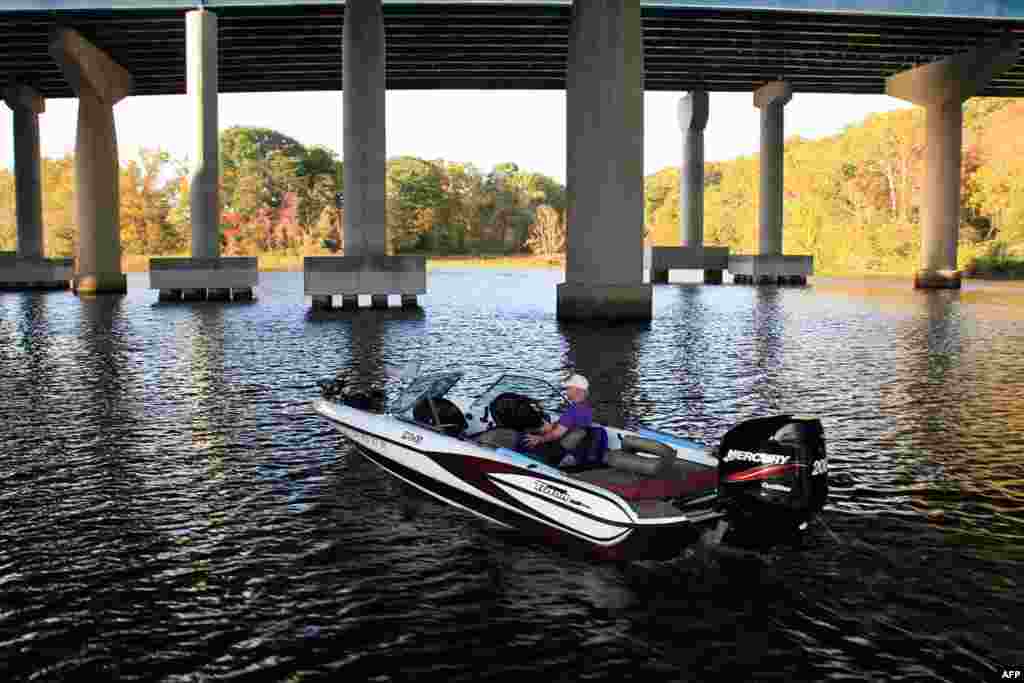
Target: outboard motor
column 772, row 476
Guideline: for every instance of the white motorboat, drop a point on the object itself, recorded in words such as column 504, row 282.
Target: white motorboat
column 644, row 494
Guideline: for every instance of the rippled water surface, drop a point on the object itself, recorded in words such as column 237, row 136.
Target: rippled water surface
column 171, row 509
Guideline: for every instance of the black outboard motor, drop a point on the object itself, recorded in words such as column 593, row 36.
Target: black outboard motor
column 772, row 476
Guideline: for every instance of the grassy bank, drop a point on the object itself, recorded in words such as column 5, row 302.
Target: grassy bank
column 290, row 262
column 998, row 266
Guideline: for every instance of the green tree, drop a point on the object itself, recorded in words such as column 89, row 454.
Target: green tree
column 661, row 207
column 414, row 195
column 319, row 179
column 146, row 227
column 59, row 219
column 8, row 216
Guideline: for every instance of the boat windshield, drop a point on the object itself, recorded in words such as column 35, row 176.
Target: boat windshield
column 545, row 393
column 426, row 386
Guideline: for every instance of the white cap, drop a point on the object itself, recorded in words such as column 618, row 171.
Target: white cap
column 578, row 381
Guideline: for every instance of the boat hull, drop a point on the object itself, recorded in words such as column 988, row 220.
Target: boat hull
column 509, row 489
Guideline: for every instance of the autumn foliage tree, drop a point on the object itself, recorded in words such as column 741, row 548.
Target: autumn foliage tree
column 851, row 200
column 547, row 233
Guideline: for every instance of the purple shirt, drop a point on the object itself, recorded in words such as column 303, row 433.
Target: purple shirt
column 577, row 415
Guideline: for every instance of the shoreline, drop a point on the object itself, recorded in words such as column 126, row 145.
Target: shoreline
column 274, row 263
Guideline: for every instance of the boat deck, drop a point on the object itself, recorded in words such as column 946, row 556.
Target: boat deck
column 684, row 479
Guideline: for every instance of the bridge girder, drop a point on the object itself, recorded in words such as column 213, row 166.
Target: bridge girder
column 295, row 48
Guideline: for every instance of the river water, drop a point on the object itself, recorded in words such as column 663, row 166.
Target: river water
column 171, row 509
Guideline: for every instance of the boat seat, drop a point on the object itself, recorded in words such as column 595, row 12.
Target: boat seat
column 631, row 462
column 636, row 476
column 643, row 456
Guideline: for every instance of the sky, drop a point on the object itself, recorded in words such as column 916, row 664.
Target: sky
column 481, row 127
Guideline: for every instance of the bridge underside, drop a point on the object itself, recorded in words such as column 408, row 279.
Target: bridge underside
column 500, row 47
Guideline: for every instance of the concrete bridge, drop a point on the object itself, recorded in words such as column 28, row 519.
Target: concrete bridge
column 604, row 53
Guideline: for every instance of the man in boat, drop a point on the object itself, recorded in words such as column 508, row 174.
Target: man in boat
column 545, row 443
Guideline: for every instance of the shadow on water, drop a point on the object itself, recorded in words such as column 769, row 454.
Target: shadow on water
column 767, row 331
column 362, row 339
column 607, row 355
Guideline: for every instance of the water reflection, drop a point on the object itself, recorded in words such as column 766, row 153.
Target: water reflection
column 361, row 345
column 206, row 387
column 102, row 369
column 767, row 334
column 607, row 355
column 36, row 336
column 956, row 477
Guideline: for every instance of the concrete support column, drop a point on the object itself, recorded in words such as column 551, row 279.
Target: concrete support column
column 940, row 231
column 942, row 87
column 100, row 83
column 363, row 69
column 26, row 105
column 201, row 46
column 771, row 99
column 693, row 118
column 604, row 155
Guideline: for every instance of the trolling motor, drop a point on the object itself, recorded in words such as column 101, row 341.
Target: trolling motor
column 371, row 400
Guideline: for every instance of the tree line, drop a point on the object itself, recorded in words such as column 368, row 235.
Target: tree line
column 281, row 196
column 852, row 200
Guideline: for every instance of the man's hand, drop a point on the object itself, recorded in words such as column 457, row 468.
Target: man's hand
column 548, row 432
column 538, row 436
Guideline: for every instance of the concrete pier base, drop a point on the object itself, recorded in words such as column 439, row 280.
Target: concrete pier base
column 31, row 286
column 771, row 270
column 216, row 277
column 377, row 276
column 712, row 277
column 19, row 272
column 660, row 260
column 101, row 283
column 937, row 279
column 776, row 280
column 587, row 301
